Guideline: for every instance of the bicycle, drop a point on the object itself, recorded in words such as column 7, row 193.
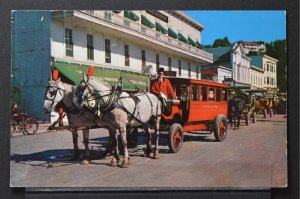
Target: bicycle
column 23, row 123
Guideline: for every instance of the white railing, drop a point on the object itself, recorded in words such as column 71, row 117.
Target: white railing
column 135, row 26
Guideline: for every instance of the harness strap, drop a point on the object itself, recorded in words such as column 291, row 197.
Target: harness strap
column 130, row 114
column 61, row 116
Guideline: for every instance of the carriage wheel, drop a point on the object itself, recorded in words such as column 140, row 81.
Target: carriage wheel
column 175, row 138
column 221, row 128
column 132, row 138
column 31, row 126
column 254, row 116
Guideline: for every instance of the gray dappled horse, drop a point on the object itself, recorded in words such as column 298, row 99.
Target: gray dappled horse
column 120, row 111
column 60, row 95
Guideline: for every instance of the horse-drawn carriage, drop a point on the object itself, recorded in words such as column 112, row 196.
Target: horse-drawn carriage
column 241, row 106
column 262, row 104
column 202, row 106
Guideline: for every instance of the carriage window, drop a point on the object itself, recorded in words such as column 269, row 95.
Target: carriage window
column 211, row 94
column 195, row 93
column 224, row 95
column 203, row 93
column 218, row 94
column 183, row 92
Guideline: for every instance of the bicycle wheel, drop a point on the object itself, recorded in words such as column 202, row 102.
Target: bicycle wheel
column 12, row 127
column 31, row 126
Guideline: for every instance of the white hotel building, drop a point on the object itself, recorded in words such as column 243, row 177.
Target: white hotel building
column 129, row 40
column 117, row 43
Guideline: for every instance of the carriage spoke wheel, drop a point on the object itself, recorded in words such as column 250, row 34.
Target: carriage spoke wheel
column 175, row 138
column 221, row 128
column 31, row 126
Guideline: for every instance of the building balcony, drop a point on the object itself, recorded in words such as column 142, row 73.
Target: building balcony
column 114, row 23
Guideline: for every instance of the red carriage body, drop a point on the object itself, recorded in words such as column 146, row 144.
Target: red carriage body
column 201, row 106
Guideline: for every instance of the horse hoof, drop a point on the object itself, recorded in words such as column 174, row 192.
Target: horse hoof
column 113, row 163
column 85, row 162
column 156, row 155
column 125, row 163
column 146, row 155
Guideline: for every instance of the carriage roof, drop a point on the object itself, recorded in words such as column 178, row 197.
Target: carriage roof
column 196, row 81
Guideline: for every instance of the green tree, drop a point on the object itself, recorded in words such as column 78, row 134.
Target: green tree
column 15, row 95
column 277, row 50
column 221, row 42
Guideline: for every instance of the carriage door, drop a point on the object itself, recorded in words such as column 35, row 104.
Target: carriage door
column 195, row 104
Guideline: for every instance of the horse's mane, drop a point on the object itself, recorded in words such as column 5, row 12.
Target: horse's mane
column 98, row 82
column 68, row 87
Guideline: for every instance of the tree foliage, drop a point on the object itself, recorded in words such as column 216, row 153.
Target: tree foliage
column 277, row 50
column 221, row 42
column 15, row 95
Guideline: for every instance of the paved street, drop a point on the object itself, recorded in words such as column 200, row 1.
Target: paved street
column 253, row 156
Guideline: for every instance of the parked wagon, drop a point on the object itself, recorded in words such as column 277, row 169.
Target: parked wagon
column 201, row 106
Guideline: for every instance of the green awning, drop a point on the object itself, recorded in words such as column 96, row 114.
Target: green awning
column 131, row 15
column 192, row 42
column 131, row 81
column 116, row 11
column 160, row 28
column 199, row 45
column 147, row 22
column 182, row 38
column 172, row 33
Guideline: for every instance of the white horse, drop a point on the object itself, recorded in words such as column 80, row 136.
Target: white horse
column 59, row 94
column 121, row 111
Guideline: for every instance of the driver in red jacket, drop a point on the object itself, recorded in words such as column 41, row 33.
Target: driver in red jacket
column 162, row 87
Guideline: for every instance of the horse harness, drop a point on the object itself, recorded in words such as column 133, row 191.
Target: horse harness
column 57, row 89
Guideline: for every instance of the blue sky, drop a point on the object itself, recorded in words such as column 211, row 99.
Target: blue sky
column 264, row 26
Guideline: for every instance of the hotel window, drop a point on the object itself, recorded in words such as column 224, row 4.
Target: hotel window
column 69, row 42
column 170, row 63
column 197, row 72
column 179, row 67
column 143, row 58
column 189, row 68
column 157, row 62
column 107, row 51
column 265, row 80
column 268, row 80
column 90, row 47
column 126, row 55
column 267, row 67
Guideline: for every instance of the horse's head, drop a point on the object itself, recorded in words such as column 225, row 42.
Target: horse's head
column 84, row 94
column 93, row 93
column 54, row 93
